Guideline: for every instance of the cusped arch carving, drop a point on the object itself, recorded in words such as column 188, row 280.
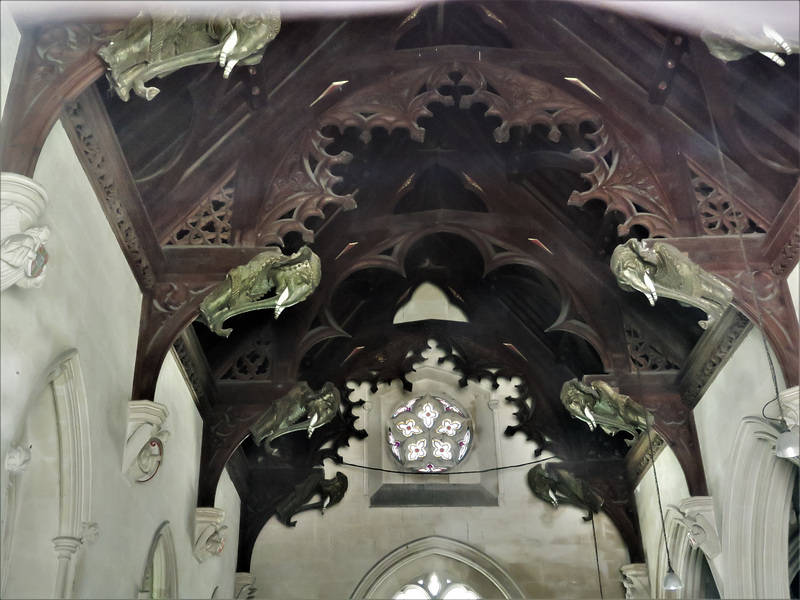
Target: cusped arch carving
column 303, row 185
column 483, row 573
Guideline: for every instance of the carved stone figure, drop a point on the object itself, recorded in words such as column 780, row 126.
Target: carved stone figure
column 663, row 271
column 149, row 458
column 209, row 532
column 599, row 404
column 293, row 278
column 330, row 491
column 23, row 258
column 155, row 46
column 301, row 409
column 558, row 485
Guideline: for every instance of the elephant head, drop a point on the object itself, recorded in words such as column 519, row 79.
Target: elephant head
column 579, row 399
column 323, row 408
column 296, row 279
column 542, row 485
column 634, row 266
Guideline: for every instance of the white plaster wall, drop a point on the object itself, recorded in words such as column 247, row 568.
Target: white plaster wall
column 9, row 41
column 742, row 388
column 673, row 488
column 548, row 552
column 90, row 301
column 794, row 289
column 130, row 513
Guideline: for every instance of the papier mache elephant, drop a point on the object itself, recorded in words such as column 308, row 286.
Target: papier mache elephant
column 155, row 46
column 559, row 486
column 302, row 409
column 598, row 403
column 330, row 491
column 293, row 278
column 663, row 271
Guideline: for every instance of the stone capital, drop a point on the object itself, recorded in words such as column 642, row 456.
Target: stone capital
column 636, row 580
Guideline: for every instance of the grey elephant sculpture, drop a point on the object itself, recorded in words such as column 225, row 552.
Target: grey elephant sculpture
column 663, row 271
column 330, row 491
column 157, row 46
column 599, row 404
column 293, row 279
column 302, row 409
column 559, row 486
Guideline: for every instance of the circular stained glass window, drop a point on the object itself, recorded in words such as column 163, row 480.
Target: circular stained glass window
column 430, row 434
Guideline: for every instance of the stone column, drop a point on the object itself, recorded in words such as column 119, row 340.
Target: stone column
column 66, row 546
column 23, row 258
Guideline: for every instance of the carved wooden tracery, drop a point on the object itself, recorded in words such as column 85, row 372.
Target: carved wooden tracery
column 304, row 184
column 305, row 193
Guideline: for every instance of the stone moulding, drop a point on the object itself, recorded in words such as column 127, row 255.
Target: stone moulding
column 711, row 353
column 636, row 580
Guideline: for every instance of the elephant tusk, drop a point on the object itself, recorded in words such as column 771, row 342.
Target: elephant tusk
column 311, row 424
column 653, row 295
column 229, row 68
column 553, row 496
column 590, row 416
column 229, row 45
column 281, row 299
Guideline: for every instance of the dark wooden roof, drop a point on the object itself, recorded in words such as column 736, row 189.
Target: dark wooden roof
column 499, row 154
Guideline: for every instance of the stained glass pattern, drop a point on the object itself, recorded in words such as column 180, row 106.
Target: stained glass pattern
column 431, row 587
column 429, row 434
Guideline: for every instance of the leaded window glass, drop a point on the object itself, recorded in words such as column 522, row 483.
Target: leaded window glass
column 429, row 434
column 431, row 587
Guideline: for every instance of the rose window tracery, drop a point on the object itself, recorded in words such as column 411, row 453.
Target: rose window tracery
column 429, row 434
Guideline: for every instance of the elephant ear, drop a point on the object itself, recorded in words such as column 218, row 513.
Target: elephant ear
column 646, row 254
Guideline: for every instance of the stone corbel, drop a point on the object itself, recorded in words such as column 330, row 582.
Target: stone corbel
column 209, row 532
column 636, row 580
column 23, row 258
column 244, row 586
column 144, row 448
column 790, row 404
column 697, row 515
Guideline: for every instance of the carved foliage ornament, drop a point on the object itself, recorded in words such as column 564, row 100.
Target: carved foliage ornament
column 108, row 191
column 720, row 213
column 210, row 224
column 303, row 184
column 646, row 355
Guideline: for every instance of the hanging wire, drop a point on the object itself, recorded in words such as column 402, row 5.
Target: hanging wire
column 525, row 464
column 597, row 558
column 658, row 495
column 748, row 268
column 655, row 476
